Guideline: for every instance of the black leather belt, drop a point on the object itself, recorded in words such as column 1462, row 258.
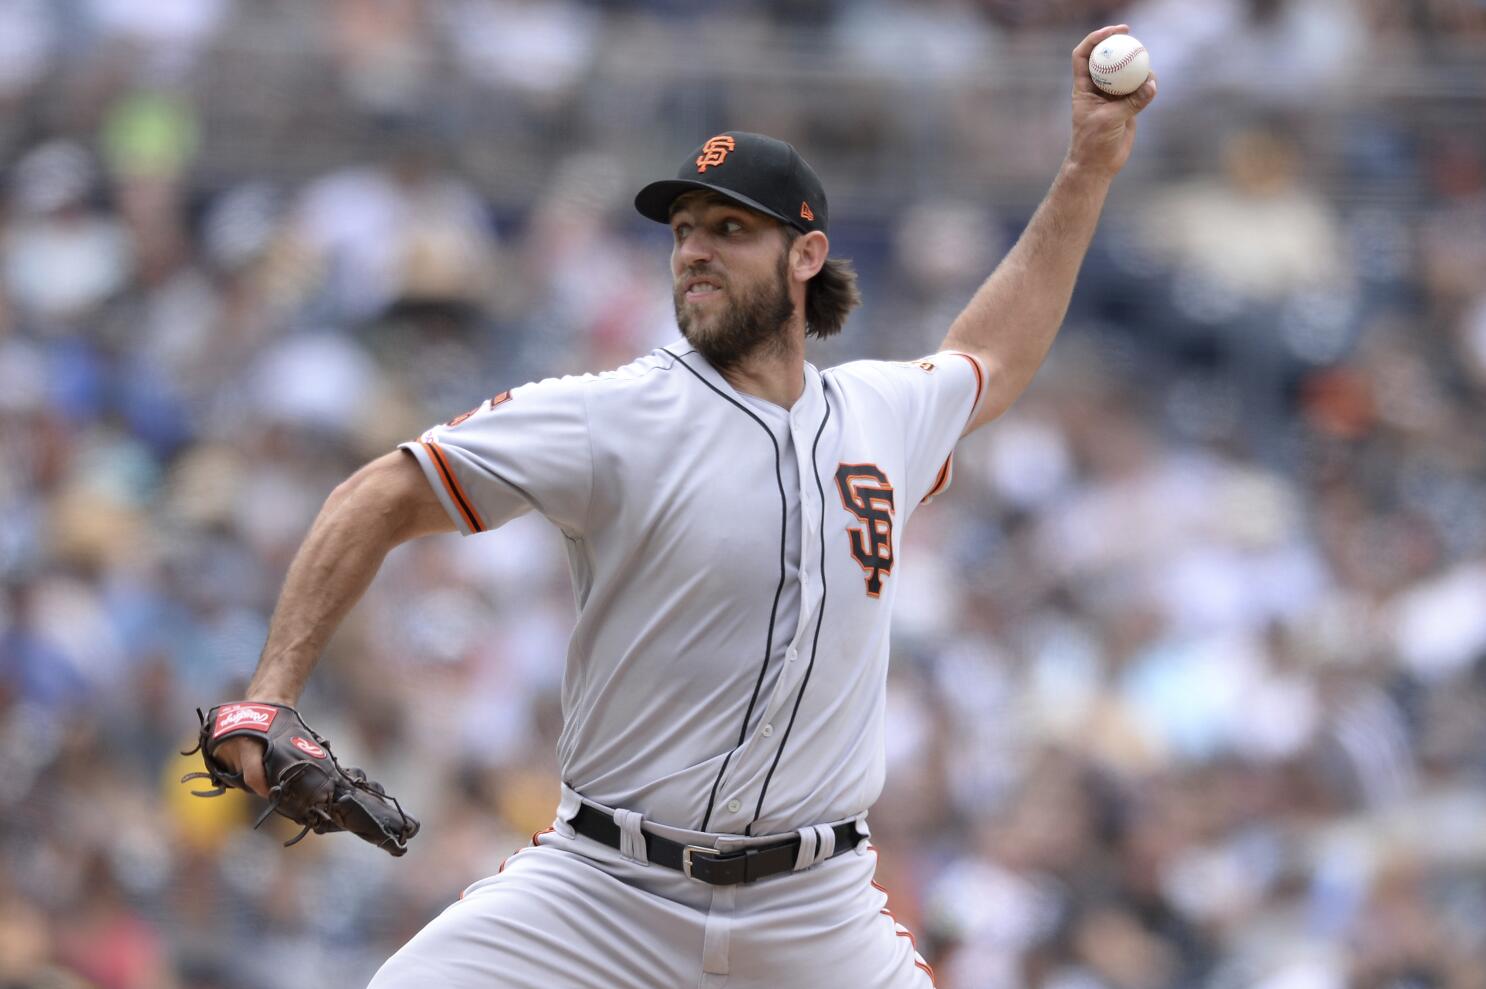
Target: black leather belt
column 708, row 864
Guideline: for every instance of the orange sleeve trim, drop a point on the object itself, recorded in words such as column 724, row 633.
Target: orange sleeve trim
column 941, row 481
column 980, row 378
column 452, row 486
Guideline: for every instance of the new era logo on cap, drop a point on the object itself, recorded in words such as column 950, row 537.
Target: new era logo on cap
column 759, row 172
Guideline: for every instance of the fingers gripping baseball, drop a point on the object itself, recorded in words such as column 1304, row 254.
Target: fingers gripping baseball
column 1103, row 125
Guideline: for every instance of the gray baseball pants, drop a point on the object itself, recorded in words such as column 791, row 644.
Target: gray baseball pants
column 572, row 913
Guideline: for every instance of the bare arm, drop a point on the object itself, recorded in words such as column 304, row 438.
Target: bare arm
column 1011, row 321
column 382, row 505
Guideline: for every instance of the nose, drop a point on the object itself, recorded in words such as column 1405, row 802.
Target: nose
column 693, row 249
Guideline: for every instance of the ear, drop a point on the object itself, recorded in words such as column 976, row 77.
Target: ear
column 807, row 255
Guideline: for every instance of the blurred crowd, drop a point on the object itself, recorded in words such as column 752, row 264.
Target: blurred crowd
column 1189, row 682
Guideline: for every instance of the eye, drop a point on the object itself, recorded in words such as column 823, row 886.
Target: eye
column 731, row 226
column 681, row 230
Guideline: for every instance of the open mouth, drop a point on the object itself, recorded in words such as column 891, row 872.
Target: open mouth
column 701, row 288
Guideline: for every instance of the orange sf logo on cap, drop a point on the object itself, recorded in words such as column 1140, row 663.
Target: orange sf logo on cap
column 715, row 151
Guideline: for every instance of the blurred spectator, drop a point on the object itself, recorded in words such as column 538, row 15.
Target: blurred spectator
column 380, row 48
column 1268, row 53
column 63, row 255
column 164, row 37
column 402, row 228
column 539, row 49
column 1256, row 230
column 28, row 37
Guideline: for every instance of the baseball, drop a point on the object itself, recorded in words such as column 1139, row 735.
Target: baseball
column 1119, row 65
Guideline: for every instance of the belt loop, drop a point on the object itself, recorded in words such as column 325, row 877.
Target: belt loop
column 631, row 838
column 808, row 842
column 567, row 807
column 825, row 844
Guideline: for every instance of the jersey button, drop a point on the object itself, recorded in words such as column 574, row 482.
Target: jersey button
column 734, row 806
column 791, row 654
column 767, row 730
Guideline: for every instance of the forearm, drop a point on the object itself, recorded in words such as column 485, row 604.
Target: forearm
column 384, row 504
column 1013, row 318
column 331, row 571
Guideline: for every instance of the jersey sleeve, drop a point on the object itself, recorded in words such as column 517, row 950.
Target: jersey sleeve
column 525, row 449
column 932, row 399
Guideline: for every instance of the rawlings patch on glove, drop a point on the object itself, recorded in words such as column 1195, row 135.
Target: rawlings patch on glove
column 306, row 783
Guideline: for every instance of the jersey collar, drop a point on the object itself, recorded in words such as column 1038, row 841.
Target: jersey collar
column 806, row 407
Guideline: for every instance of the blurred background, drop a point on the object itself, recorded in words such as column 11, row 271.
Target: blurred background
column 1189, row 682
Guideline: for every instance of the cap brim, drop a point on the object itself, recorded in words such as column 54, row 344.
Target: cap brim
column 654, row 201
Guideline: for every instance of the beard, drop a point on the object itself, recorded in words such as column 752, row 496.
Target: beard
column 753, row 323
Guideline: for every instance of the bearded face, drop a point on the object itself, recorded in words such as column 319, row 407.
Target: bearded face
column 728, row 320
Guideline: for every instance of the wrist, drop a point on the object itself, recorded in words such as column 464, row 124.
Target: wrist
column 1077, row 171
column 269, row 694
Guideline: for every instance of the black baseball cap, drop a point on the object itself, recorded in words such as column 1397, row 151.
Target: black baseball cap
column 762, row 173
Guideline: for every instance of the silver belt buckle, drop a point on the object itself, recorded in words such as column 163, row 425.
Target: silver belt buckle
column 686, row 857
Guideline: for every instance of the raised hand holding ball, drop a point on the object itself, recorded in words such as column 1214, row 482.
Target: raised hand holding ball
column 1119, row 65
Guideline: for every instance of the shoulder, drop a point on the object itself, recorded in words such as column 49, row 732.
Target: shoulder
column 646, row 371
column 887, row 376
column 898, row 373
column 927, row 364
column 943, row 375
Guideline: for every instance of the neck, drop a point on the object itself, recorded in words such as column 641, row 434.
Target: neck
column 775, row 374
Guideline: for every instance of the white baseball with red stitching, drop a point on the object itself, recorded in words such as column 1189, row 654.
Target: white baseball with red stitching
column 1119, row 64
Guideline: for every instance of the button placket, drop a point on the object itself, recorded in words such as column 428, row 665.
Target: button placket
column 784, row 688
column 792, row 675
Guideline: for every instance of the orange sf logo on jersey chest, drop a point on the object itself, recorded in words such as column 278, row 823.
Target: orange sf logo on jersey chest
column 715, row 152
column 868, row 494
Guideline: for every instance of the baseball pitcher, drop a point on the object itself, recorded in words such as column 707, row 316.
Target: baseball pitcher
column 733, row 518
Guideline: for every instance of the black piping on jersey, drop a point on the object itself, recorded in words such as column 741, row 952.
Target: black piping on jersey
column 451, row 485
column 819, row 620
column 773, row 611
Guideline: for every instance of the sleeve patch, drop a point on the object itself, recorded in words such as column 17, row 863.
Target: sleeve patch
column 461, row 417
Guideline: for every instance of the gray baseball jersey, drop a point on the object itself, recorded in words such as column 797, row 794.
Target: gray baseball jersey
column 733, row 563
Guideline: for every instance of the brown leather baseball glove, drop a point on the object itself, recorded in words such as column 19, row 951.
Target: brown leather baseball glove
column 306, row 783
